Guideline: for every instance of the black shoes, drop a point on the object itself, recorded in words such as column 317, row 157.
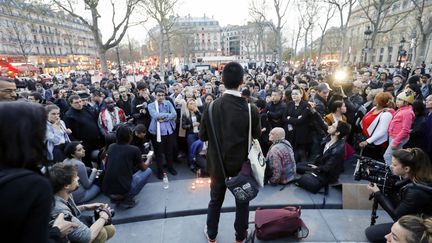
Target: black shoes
column 159, row 174
column 172, row 171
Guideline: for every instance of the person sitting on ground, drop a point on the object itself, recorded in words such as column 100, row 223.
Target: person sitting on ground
column 125, row 171
column 140, row 140
column 411, row 229
column 64, row 180
column 57, row 134
column 280, row 158
column 327, row 167
column 88, row 190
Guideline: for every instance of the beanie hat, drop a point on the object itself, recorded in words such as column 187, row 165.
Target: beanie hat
column 407, row 96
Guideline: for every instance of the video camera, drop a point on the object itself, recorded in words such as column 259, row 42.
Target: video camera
column 376, row 172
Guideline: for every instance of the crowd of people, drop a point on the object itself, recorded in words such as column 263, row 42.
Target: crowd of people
column 100, row 132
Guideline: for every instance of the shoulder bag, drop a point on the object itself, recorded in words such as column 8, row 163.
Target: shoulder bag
column 243, row 186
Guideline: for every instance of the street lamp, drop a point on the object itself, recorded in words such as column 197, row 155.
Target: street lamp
column 401, row 51
column 367, row 37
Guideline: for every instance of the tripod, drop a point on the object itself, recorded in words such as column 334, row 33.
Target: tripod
column 374, row 209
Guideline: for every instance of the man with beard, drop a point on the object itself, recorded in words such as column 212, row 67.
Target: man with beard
column 110, row 117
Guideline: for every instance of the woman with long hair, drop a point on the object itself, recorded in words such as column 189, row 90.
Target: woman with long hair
column 191, row 118
column 87, row 189
column 414, row 195
column 411, row 229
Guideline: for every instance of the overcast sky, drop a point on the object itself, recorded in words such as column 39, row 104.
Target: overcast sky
column 234, row 12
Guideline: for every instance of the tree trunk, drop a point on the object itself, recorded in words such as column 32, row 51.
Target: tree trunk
column 102, row 59
column 320, row 48
column 421, row 50
column 343, row 46
column 279, row 46
column 161, row 55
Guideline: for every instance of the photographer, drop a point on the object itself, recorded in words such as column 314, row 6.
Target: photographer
column 64, row 180
column 415, row 194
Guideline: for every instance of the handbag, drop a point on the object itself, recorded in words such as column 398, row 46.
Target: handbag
column 243, row 186
column 255, row 156
column 272, row 224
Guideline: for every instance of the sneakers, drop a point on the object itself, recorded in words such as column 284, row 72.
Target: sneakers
column 128, row 203
column 207, row 237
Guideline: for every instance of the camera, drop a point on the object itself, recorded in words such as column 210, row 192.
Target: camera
column 376, row 172
column 107, row 210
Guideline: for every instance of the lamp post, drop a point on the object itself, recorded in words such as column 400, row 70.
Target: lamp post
column 401, row 51
column 367, row 37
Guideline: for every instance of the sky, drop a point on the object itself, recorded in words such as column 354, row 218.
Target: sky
column 233, row 12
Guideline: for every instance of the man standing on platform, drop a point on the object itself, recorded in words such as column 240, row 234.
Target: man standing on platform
column 229, row 115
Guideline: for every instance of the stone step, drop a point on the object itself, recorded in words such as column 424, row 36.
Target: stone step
column 325, row 225
column 180, row 199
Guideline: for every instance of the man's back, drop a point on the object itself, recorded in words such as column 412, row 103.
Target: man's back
column 231, row 119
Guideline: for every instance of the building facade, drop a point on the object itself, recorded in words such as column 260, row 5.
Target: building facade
column 48, row 40
column 396, row 38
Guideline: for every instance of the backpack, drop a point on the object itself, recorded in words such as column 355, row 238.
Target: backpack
column 272, row 224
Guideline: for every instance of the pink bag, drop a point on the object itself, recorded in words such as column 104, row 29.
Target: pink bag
column 272, row 224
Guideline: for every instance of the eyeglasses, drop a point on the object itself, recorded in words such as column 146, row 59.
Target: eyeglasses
column 8, row 90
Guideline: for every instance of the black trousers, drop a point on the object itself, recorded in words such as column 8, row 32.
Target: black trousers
column 164, row 148
column 377, row 232
column 217, row 196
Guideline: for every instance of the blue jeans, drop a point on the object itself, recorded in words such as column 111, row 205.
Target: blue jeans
column 139, row 179
column 191, row 138
column 389, row 151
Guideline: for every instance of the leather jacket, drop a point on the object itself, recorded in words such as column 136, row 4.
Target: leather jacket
column 414, row 198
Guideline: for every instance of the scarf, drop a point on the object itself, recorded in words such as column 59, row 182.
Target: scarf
column 158, row 131
column 111, row 120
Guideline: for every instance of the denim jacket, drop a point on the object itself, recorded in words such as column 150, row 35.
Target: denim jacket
column 168, row 113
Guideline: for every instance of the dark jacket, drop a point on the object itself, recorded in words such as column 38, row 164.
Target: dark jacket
column 275, row 114
column 414, row 199
column 320, row 105
column 187, row 122
column 299, row 120
column 331, row 162
column 230, row 114
column 84, row 127
column 353, row 103
column 138, row 104
column 417, row 134
column 126, row 106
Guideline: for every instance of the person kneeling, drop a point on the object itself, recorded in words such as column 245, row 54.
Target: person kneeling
column 327, row 167
column 280, row 158
column 64, row 180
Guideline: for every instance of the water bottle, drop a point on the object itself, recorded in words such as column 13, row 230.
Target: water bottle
column 165, row 181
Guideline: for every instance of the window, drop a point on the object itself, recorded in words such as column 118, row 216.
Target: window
column 390, row 52
column 381, row 55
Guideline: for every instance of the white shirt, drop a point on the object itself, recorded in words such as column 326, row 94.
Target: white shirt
column 233, row 92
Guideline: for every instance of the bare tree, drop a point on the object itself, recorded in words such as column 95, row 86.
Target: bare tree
column 17, row 30
column 280, row 8
column 298, row 35
column 119, row 27
column 162, row 11
column 424, row 25
column 377, row 12
column 344, row 8
column 330, row 11
column 308, row 10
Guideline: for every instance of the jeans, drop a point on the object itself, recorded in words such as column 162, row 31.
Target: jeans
column 217, row 196
column 377, row 232
column 389, row 151
column 191, row 138
column 89, row 194
column 139, row 179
